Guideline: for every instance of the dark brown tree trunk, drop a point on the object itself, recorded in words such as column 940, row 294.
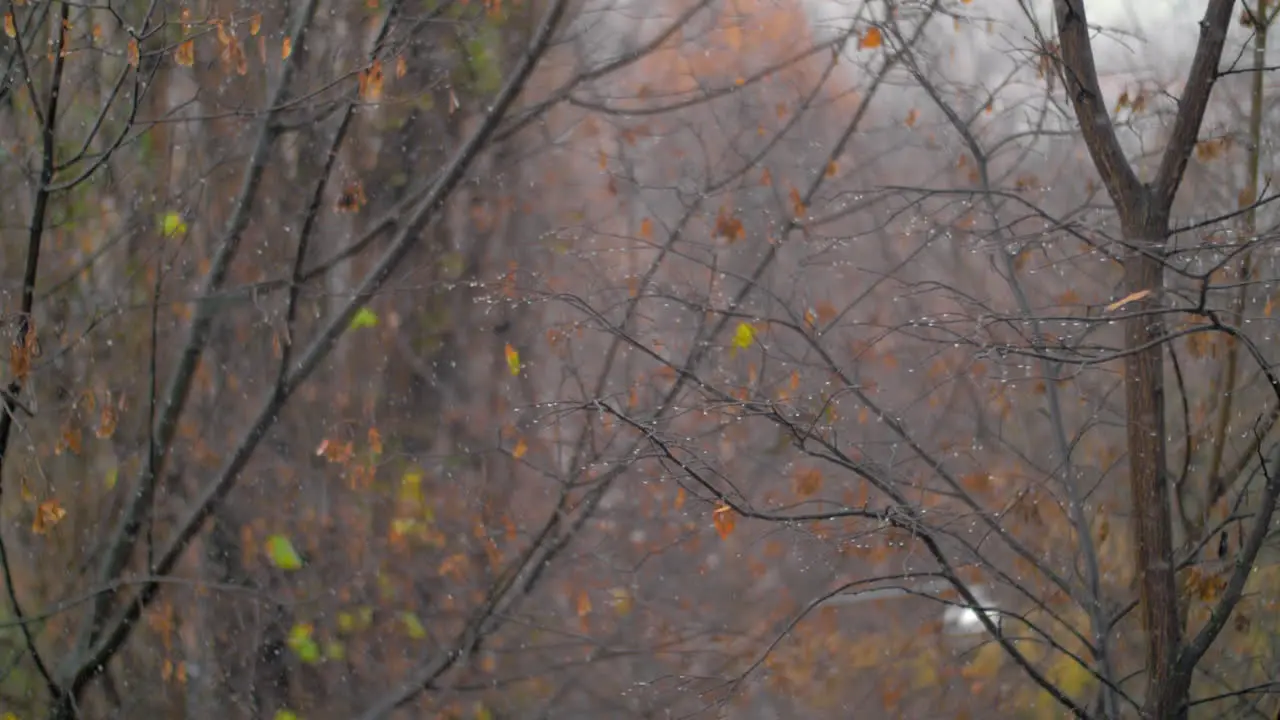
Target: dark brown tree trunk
column 1144, row 210
column 1148, row 475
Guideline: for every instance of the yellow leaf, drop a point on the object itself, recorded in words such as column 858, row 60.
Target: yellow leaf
column 744, row 335
column 413, row 626
column 622, row 601
column 872, row 39
column 1070, row 676
column 282, row 554
column 513, row 359
column 1131, row 297
column 724, row 520
column 521, row 448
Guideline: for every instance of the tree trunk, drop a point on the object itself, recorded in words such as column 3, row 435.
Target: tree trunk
column 1144, row 210
column 1148, row 474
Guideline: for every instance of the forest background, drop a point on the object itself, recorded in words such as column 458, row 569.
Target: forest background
column 591, row 358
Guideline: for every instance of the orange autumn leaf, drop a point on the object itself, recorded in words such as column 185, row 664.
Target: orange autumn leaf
column 21, row 354
column 766, row 178
column 520, row 449
column 185, row 55
column 402, row 67
column 132, row 53
column 255, row 24
column 978, row 482
column 48, row 514
column 646, row 229
column 871, row 39
column 912, row 118
column 371, row 82
column 286, row 49
column 806, row 482
column 583, row 607
column 107, row 421
column 10, row 28
column 832, row 168
column 797, row 203
column 826, row 312
column 729, row 227
column 1070, row 297
column 724, row 520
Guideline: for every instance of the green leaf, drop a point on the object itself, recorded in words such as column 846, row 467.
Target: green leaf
column 483, row 61
column 286, row 715
column 365, row 318
column 171, row 225
column 282, row 553
column 301, row 642
column 513, row 359
column 335, row 650
column 413, row 625
column 744, row 335
column 113, row 475
column 453, row 264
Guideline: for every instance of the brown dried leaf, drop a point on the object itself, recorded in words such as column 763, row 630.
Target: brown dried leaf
column 48, row 514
